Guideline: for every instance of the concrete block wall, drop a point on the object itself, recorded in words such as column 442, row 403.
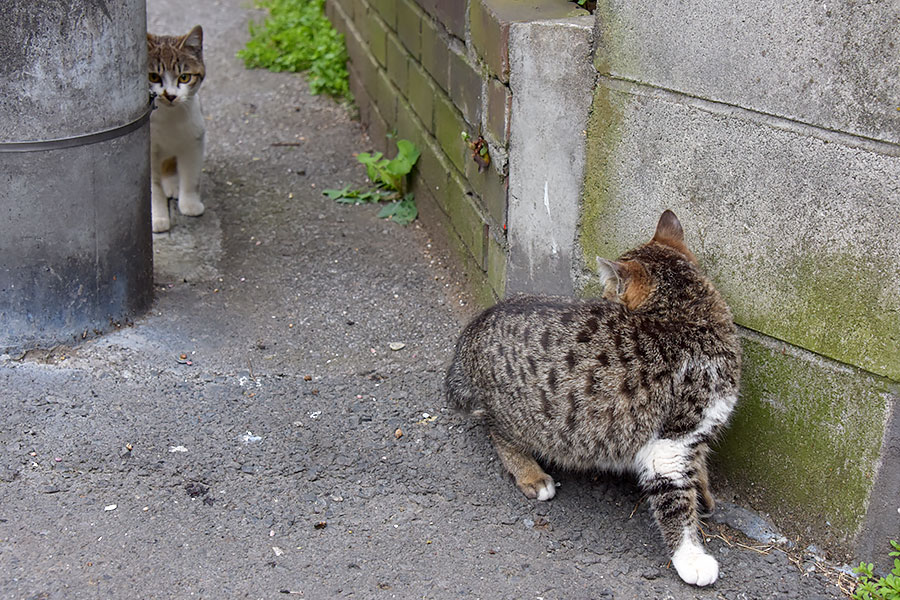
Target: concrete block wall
column 429, row 70
column 773, row 131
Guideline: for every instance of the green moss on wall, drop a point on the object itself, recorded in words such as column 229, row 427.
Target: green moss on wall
column 843, row 310
column 603, row 135
column 805, row 439
column 837, row 305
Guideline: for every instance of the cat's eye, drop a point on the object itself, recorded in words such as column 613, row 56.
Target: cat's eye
column 184, row 77
column 155, row 78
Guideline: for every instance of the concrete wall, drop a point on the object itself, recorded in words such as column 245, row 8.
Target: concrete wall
column 431, row 70
column 771, row 129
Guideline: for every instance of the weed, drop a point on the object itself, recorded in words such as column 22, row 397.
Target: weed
column 588, row 5
column 479, row 148
column 883, row 588
column 389, row 177
column 296, row 36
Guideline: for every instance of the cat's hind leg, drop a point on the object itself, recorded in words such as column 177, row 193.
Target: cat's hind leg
column 530, row 477
column 667, row 474
column 169, row 177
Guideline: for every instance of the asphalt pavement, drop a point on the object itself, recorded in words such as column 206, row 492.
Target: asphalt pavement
column 275, row 426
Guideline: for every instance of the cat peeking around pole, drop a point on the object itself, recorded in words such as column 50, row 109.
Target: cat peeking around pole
column 639, row 380
column 177, row 132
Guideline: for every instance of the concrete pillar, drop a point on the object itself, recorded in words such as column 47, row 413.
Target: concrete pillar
column 75, row 241
column 552, row 81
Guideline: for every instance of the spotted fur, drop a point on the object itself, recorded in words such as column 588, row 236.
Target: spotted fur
column 639, row 381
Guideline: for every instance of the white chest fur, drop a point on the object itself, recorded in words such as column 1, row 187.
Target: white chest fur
column 176, row 127
column 177, row 131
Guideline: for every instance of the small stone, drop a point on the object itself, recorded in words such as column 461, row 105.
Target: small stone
column 396, row 346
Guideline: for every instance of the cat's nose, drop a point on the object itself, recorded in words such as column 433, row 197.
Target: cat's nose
column 168, row 96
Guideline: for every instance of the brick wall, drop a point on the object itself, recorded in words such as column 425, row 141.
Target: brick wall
column 414, row 70
column 430, row 70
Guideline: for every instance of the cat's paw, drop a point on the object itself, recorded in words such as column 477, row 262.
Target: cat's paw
column 161, row 224
column 191, row 206
column 539, row 487
column 695, row 566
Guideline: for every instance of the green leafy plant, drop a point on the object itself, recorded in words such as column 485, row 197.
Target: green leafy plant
column 296, row 36
column 590, row 5
column 391, row 174
column 389, row 177
column 883, row 588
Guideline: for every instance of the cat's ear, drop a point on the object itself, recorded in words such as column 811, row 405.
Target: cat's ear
column 611, row 275
column 669, row 233
column 626, row 282
column 193, row 40
column 669, row 228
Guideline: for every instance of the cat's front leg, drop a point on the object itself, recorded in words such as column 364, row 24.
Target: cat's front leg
column 530, row 477
column 190, row 165
column 159, row 202
column 667, row 474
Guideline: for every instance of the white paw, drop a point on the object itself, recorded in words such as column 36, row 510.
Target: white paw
column 161, row 224
column 537, row 487
column 190, row 206
column 546, row 490
column 695, row 566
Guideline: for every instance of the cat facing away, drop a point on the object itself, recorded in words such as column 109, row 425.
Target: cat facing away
column 177, row 131
column 639, row 380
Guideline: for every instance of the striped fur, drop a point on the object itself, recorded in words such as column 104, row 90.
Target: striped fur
column 639, row 381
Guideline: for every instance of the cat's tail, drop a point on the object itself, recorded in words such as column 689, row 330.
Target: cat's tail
column 461, row 393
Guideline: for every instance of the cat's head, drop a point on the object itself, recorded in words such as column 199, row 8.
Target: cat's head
column 636, row 276
column 175, row 66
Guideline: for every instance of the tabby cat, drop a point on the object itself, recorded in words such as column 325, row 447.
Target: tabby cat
column 639, row 381
column 177, row 132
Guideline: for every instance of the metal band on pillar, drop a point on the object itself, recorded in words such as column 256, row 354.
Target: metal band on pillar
column 77, row 140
